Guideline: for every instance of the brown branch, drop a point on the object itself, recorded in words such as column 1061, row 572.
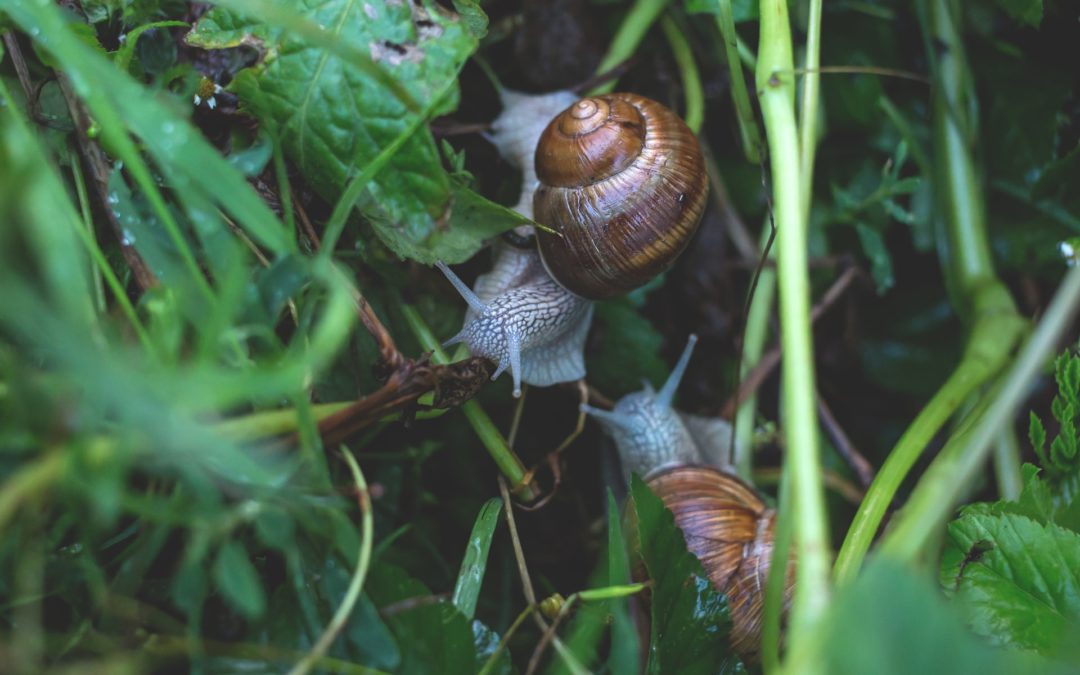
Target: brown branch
column 99, row 168
column 843, row 444
column 453, row 384
column 771, row 358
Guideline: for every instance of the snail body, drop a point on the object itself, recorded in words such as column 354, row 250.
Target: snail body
column 523, row 321
column 623, row 182
column 621, row 178
column 724, row 521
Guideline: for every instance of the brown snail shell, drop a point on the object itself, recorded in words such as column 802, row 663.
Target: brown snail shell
column 622, row 179
column 730, row 530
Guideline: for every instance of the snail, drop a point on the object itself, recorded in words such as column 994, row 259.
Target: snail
column 518, row 316
column 622, row 179
column 724, row 521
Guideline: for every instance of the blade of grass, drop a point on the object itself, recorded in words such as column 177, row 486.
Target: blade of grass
column 637, row 22
column 356, row 583
column 688, row 71
column 505, row 458
column 744, row 112
column 474, row 563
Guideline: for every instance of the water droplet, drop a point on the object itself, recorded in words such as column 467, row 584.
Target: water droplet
column 127, row 239
column 168, row 128
column 113, row 198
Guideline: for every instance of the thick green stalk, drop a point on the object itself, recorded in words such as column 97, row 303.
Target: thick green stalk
column 485, row 429
column 631, row 31
column 740, row 95
column 995, row 327
column 776, row 94
column 934, row 498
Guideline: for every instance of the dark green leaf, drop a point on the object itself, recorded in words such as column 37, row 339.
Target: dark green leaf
column 627, row 337
column 873, row 245
column 238, row 581
column 690, row 618
column 1027, row 11
column 336, row 119
column 625, row 650
column 1021, row 586
column 439, row 638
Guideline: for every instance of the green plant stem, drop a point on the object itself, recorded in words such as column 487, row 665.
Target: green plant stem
column 776, row 96
column 809, row 105
column 969, row 261
column 88, row 222
column 489, row 665
column 755, row 334
column 1010, row 480
column 31, row 479
column 749, row 134
column 934, row 498
column 352, row 594
column 642, row 15
column 997, row 328
column 688, row 71
column 505, row 458
column 774, row 584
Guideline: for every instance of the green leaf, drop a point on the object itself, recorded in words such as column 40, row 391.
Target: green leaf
column 238, row 581
column 126, row 52
column 891, row 622
column 625, row 650
column 690, row 619
column 1026, row 11
column 1016, row 578
column 873, row 245
column 1036, row 434
column 471, row 576
column 626, row 337
column 438, row 638
column 336, row 119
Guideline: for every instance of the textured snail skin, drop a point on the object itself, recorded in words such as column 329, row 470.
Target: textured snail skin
column 518, row 315
column 623, row 180
column 516, row 131
column 724, row 521
column 524, row 321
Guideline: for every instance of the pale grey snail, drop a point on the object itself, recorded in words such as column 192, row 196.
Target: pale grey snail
column 684, row 460
column 518, row 315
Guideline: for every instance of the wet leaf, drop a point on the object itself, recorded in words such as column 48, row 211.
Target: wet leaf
column 690, row 618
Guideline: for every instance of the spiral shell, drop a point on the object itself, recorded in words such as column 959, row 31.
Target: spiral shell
column 728, row 527
column 623, row 181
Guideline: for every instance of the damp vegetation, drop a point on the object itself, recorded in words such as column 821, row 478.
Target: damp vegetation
column 232, row 438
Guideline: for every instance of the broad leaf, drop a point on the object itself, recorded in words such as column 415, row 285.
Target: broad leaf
column 893, row 622
column 1016, row 577
column 690, row 619
column 335, row 119
column 436, row 636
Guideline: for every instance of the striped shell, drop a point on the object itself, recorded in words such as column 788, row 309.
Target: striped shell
column 622, row 179
column 728, row 527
